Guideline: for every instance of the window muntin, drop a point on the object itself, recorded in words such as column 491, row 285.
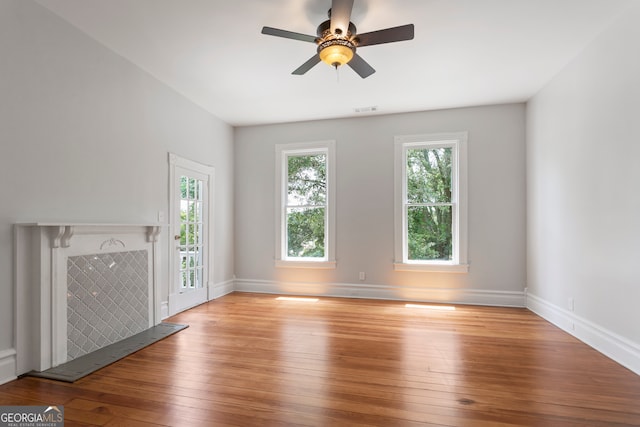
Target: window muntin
column 305, row 208
column 431, row 203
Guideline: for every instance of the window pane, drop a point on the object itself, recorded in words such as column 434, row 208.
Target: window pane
column 197, row 238
column 190, row 211
column 183, row 187
column 197, row 213
column 429, row 175
column 193, row 185
column 183, row 234
column 306, row 180
column 429, row 234
column 198, row 256
column 199, row 283
column 189, row 234
column 183, row 280
column 305, row 232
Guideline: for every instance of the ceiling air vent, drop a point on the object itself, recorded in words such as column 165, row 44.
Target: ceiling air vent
column 366, row 109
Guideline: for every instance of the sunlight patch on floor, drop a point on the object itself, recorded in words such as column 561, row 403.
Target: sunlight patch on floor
column 297, row 299
column 432, row 307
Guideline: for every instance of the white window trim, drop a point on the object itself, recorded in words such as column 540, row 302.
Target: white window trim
column 459, row 264
column 282, row 150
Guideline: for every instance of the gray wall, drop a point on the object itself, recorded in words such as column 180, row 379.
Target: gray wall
column 365, row 214
column 84, row 137
column 583, row 146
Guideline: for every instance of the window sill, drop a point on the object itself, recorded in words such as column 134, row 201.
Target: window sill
column 432, row 267
column 320, row 265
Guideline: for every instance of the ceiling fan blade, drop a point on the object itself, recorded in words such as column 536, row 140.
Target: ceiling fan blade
column 307, row 65
column 288, row 34
column 341, row 15
column 389, row 35
column 361, row 66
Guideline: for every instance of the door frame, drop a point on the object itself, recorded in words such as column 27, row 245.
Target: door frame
column 177, row 301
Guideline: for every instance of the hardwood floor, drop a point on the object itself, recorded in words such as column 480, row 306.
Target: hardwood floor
column 251, row 360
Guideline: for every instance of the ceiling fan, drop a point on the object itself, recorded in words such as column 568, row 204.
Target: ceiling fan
column 337, row 40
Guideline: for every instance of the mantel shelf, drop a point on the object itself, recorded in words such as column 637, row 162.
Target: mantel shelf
column 62, row 232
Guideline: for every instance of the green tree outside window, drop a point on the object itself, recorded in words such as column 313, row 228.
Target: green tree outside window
column 306, row 205
column 429, row 204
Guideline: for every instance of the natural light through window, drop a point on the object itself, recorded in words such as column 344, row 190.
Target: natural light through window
column 297, row 299
column 432, row 307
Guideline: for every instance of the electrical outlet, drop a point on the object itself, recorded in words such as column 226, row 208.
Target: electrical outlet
column 362, row 276
column 571, row 304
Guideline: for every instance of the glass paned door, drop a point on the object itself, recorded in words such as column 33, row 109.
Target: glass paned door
column 191, row 237
column 191, row 185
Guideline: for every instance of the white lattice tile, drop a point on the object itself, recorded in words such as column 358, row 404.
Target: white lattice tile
column 107, row 299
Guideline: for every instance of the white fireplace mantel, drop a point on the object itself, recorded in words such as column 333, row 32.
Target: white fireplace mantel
column 63, row 232
column 41, row 252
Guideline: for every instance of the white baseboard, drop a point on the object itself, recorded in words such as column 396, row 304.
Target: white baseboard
column 7, row 365
column 217, row 290
column 345, row 290
column 614, row 346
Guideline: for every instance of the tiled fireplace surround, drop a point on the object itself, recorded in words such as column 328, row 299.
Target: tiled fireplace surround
column 80, row 287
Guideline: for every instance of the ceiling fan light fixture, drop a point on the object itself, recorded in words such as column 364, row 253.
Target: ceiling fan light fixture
column 336, row 52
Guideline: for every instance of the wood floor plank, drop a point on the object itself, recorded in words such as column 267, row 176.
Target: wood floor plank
column 248, row 359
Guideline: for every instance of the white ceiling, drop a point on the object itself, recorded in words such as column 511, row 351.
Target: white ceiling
column 465, row 52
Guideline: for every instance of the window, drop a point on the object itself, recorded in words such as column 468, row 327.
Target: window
column 431, row 213
column 305, row 208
